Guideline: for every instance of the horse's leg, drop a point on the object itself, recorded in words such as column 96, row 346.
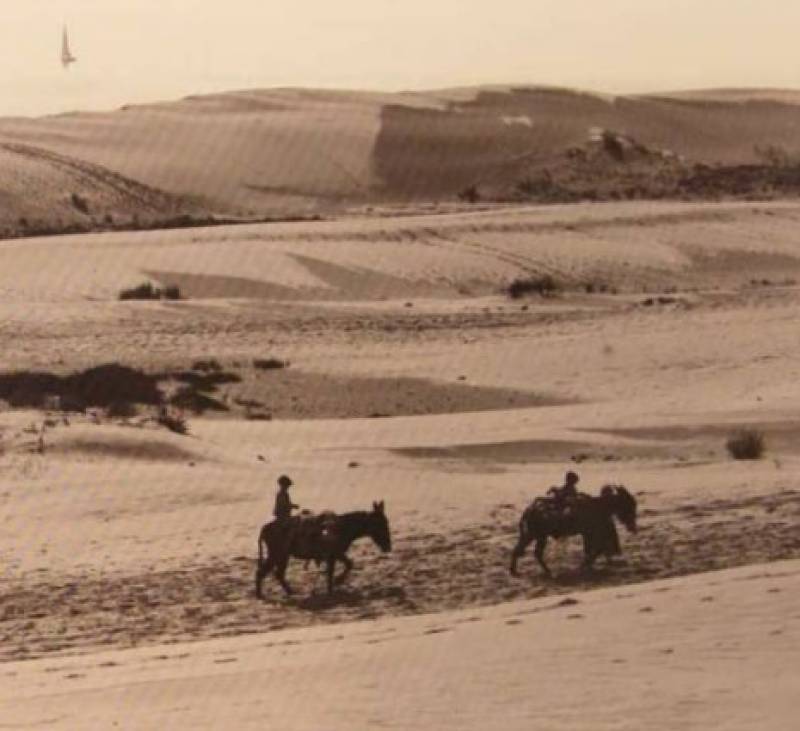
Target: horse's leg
column 330, row 567
column 348, row 567
column 590, row 551
column 280, row 572
column 519, row 550
column 538, row 551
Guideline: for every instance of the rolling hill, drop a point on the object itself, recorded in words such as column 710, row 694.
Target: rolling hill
column 297, row 152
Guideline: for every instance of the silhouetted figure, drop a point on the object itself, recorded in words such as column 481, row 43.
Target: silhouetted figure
column 324, row 537
column 283, row 503
column 590, row 517
column 564, row 496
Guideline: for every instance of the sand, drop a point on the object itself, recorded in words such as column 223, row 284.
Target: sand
column 128, row 551
column 705, row 652
column 304, row 152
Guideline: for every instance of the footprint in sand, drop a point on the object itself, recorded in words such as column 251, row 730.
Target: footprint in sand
column 568, row 602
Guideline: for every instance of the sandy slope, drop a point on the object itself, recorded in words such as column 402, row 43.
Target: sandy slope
column 633, row 246
column 298, row 151
column 714, row 651
column 126, row 537
column 45, row 190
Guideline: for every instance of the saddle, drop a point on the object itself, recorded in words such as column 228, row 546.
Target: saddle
column 314, row 534
column 559, row 512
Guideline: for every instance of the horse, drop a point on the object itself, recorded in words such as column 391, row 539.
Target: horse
column 324, row 537
column 588, row 516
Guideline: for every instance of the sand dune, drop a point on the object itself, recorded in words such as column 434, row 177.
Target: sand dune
column 635, row 247
column 292, row 151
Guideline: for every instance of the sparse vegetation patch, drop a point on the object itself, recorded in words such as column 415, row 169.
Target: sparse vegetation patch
column 544, row 285
column 746, row 444
column 266, row 364
column 147, row 291
column 101, row 386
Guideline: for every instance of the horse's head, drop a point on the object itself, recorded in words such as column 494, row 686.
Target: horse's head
column 622, row 504
column 379, row 527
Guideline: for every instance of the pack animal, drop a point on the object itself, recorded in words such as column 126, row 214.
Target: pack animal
column 323, row 538
column 588, row 516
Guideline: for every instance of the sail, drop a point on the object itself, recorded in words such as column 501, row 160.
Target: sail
column 66, row 55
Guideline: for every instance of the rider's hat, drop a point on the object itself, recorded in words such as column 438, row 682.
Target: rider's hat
column 571, row 477
column 284, row 481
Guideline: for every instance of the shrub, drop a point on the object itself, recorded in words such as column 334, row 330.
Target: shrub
column 188, row 398
column 121, row 410
column 80, row 203
column 144, row 291
column 469, row 194
column 174, row 422
column 100, row 386
column 211, row 364
column 205, row 381
column 266, row 364
column 147, row 291
column 613, row 146
column 746, row 444
column 171, row 292
column 544, row 285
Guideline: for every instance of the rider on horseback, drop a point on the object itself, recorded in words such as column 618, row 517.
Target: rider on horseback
column 564, row 496
column 283, row 503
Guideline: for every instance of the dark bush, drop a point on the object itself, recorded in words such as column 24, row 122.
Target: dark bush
column 80, row 203
column 188, row 398
column 174, row 422
column 171, row 292
column 28, row 389
column 205, row 381
column 746, row 444
column 144, row 291
column 212, row 364
column 121, row 410
column 112, row 383
column 613, row 146
column 100, row 386
column 469, row 194
column 147, row 291
column 545, row 285
column 266, row 364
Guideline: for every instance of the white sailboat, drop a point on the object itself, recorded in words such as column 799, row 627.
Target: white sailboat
column 66, row 55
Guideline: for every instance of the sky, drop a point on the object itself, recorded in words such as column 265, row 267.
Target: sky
column 132, row 51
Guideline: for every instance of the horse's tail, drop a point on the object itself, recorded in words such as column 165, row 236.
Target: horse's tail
column 528, row 515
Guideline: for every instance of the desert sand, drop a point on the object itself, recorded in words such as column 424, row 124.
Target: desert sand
column 126, row 598
column 305, row 152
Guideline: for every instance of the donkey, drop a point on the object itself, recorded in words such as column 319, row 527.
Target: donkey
column 324, row 537
column 587, row 516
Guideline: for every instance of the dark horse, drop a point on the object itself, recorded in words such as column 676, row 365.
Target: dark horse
column 587, row 516
column 324, row 537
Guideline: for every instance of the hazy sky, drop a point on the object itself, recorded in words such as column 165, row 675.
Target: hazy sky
column 139, row 50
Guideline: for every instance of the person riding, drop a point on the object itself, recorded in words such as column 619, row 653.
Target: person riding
column 564, row 496
column 283, row 503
